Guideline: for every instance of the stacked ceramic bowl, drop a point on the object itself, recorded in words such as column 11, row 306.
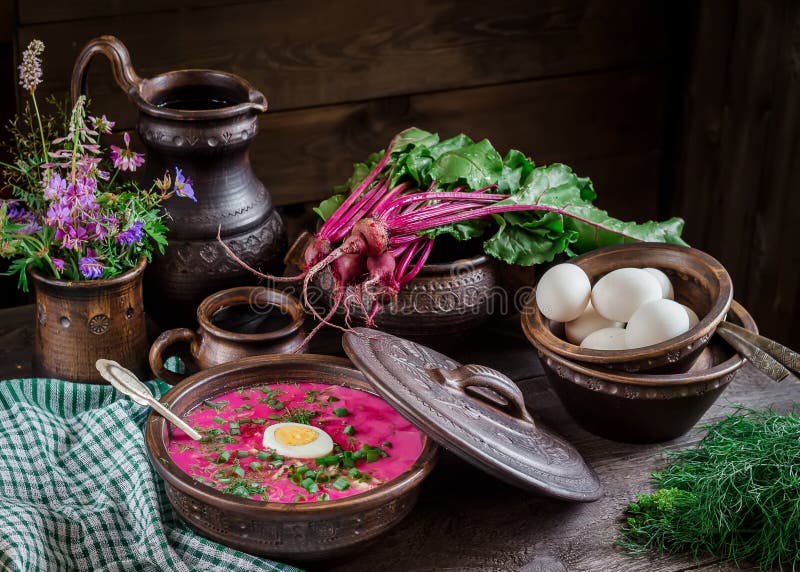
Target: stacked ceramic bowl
column 640, row 391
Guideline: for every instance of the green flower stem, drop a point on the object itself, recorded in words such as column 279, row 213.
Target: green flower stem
column 39, row 120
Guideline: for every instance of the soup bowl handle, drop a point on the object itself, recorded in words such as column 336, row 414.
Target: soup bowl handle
column 473, row 375
column 121, row 66
column 159, row 352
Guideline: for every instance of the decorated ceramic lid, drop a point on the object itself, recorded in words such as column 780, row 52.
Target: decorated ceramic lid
column 474, row 411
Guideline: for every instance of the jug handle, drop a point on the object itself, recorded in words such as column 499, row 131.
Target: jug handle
column 119, row 57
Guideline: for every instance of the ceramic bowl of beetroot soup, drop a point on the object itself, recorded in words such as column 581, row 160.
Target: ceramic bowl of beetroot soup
column 300, row 459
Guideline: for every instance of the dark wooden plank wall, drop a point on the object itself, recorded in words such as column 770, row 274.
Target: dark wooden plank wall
column 572, row 80
column 738, row 153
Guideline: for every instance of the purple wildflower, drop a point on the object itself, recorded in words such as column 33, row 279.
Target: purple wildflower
column 55, row 187
column 57, row 215
column 32, row 226
column 102, row 124
column 133, row 235
column 126, row 159
column 58, row 264
column 183, row 185
column 90, row 268
column 72, row 237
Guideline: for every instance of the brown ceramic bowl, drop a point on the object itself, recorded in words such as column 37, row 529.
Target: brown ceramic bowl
column 699, row 281
column 297, row 532
column 641, row 408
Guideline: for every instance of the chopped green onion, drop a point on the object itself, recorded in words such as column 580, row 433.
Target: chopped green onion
column 243, row 454
column 332, row 398
column 277, row 463
column 224, row 480
column 224, row 457
column 324, row 496
column 341, row 412
column 255, row 466
column 372, row 456
column 341, row 484
column 355, row 473
column 238, row 471
column 275, row 417
column 349, row 430
column 219, row 420
column 386, row 445
column 263, row 455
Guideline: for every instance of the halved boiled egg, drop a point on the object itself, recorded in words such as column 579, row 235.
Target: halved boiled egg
column 297, row 440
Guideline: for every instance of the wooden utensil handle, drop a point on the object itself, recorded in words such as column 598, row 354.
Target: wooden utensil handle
column 119, row 57
column 158, row 352
column 473, row 375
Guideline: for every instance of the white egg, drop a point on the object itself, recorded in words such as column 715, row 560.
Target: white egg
column 618, row 294
column 563, row 292
column 666, row 286
column 588, row 322
column 605, row 339
column 297, row 440
column 655, row 322
column 693, row 319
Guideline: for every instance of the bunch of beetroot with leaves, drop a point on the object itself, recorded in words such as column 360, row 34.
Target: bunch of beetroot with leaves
column 380, row 226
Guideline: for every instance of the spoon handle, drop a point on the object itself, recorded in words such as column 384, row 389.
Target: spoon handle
column 126, row 382
column 787, row 357
column 177, row 421
column 761, row 360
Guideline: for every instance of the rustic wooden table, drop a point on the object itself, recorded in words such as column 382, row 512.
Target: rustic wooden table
column 466, row 520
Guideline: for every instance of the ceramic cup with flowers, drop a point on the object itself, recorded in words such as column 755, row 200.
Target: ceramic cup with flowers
column 78, row 225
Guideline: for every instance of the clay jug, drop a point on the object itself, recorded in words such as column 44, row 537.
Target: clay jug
column 202, row 121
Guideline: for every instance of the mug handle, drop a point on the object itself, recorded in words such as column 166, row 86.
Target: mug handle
column 158, row 352
column 473, row 375
column 119, row 57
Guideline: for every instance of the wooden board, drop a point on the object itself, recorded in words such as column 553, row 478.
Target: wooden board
column 466, row 520
column 311, row 52
column 738, row 154
column 595, row 123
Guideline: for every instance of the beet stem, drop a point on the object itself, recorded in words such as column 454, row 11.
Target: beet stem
column 252, row 270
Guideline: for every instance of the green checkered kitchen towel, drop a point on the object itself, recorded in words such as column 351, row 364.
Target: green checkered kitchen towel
column 77, row 491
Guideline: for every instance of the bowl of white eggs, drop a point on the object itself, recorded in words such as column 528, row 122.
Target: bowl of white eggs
column 643, row 407
column 646, row 307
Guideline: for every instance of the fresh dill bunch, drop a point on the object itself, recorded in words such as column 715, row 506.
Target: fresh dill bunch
column 736, row 495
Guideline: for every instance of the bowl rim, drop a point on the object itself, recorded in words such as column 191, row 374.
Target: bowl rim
column 155, row 438
column 244, row 294
column 721, row 369
column 534, row 326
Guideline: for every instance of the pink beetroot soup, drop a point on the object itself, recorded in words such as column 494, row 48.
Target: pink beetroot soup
column 373, row 444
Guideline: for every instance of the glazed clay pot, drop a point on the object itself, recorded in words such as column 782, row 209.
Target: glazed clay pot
column 446, row 300
column 78, row 323
column 202, row 121
column 213, row 345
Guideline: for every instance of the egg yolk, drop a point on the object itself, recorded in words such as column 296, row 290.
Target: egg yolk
column 293, row 436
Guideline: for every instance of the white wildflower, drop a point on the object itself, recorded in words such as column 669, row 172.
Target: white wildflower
column 30, row 70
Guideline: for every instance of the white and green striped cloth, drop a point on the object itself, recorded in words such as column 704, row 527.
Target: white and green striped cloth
column 77, row 491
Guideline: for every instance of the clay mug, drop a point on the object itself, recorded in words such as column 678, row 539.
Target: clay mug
column 234, row 323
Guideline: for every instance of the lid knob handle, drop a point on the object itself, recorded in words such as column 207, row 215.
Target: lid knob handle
column 473, row 375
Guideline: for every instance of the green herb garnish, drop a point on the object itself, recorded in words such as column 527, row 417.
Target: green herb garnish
column 341, row 484
column 735, row 496
column 341, row 412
